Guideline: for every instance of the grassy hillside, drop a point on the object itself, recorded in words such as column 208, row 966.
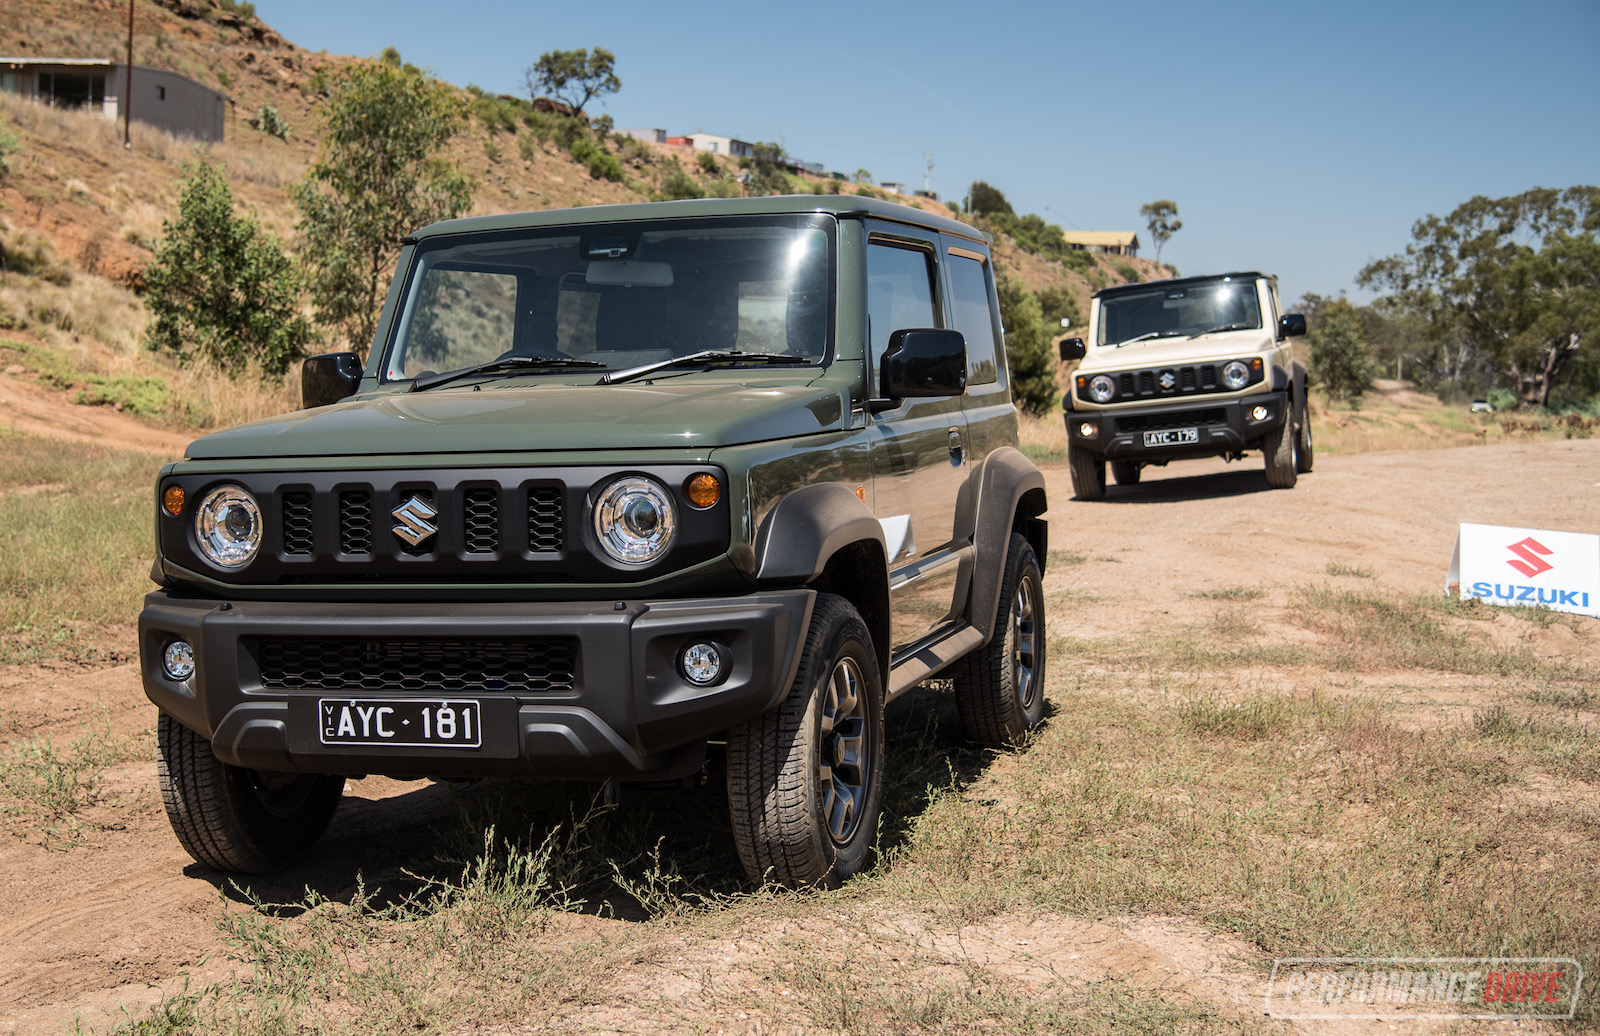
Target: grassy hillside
column 80, row 215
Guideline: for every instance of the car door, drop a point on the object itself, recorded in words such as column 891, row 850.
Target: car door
column 918, row 447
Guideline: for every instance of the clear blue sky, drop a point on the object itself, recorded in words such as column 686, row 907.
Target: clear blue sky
column 1301, row 139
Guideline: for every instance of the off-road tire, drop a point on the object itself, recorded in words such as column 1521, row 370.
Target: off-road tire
column 780, row 764
column 1304, row 449
column 1278, row 445
column 1126, row 472
column 1000, row 687
column 234, row 819
column 1088, row 473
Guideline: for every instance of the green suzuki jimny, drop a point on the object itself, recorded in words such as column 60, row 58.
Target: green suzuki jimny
column 616, row 488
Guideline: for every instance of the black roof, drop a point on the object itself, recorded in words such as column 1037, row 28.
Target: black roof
column 1180, row 282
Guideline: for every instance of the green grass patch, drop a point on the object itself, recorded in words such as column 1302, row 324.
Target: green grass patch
column 75, row 545
column 147, row 397
column 1230, row 593
column 1339, row 568
column 47, row 787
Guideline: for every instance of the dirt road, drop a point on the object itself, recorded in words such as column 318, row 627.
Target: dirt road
column 107, row 912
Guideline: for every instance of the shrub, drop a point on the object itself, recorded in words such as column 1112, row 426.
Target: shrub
column 1126, row 272
column 1028, row 348
column 707, row 163
column 1340, row 360
column 678, row 185
column 271, row 123
column 10, row 144
column 220, row 288
column 602, row 164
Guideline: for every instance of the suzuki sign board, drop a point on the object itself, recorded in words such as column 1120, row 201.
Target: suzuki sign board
column 1531, row 568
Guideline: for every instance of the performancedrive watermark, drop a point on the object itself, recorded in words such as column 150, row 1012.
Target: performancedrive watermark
column 1424, row 987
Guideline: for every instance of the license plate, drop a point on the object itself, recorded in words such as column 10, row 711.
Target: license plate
column 1172, row 437
column 436, row 722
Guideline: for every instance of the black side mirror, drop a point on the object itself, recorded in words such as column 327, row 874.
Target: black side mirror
column 922, row 362
column 1073, row 349
column 329, row 378
column 1291, row 324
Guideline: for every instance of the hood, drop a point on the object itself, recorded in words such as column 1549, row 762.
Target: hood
column 506, row 417
column 1162, row 352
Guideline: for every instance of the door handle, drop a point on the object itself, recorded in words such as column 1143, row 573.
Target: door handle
column 955, row 446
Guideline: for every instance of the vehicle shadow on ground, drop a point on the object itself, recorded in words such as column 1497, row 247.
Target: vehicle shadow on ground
column 1210, row 486
column 648, row 850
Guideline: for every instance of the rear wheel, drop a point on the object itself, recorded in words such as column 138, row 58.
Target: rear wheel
column 1303, row 447
column 1126, row 472
column 805, row 781
column 1088, row 473
column 1000, row 687
column 1278, row 445
column 234, row 819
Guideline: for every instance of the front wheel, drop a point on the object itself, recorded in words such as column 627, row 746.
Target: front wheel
column 805, row 781
column 1304, row 449
column 234, row 819
column 1088, row 473
column 1278, row 445
column 1000, row 687
column 1125, row 472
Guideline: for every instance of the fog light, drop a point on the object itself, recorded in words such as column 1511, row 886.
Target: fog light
column 1260, row 413
column 178, row 660
column 1087, row 430
column 702, row 663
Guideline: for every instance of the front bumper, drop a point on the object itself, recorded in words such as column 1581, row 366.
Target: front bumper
column 625, row 711
column 1221, row 425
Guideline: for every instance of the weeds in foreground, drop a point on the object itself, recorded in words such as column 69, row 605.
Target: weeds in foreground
column 50, row 787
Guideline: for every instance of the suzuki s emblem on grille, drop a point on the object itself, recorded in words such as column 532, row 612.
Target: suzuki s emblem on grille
column 1168, row 380
column 416, row 521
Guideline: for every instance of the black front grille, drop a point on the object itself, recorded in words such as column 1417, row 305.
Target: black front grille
column 1158, row 382
column 355, row 521
column 1181, row 419
column 540, row 665
column 480, row 520
column 297, row 523
column 544, row 519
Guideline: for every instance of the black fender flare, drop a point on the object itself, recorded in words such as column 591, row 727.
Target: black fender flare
column 1010, row 484
column 808, row 527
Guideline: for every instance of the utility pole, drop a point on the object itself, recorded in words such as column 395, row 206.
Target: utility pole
column 127, row 88
column 927, row 172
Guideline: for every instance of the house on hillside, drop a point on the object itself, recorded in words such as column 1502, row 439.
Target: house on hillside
column 721, row 145
column 1110, row 242
column 892, row 187
column 653, row 136
column 165, row 100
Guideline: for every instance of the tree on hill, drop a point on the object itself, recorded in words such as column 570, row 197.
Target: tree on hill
column 574, row 77
column 379, row 178
column 220, row 289
column 1161, row 218
column 1029, row 354
column 984, row 200
column 1340, row 360
column 1512, row 283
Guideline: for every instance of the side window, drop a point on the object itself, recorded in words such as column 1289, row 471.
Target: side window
column 974, row 316
column 899, row 293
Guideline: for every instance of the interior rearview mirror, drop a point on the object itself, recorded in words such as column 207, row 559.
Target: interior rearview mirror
column 329, row 378
column 1073, row 349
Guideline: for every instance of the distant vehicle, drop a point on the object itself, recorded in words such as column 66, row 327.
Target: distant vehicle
column 1482, row 406
column 1177, row 369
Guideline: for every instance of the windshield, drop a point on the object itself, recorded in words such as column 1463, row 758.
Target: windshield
column 1167, row 312
column 618, row 294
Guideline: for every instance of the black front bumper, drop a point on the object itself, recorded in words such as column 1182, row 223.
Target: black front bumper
column 626, row 711
column 1221, row 425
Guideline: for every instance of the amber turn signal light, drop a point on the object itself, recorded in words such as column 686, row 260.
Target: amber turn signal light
column 172, row 500
column 703, row 490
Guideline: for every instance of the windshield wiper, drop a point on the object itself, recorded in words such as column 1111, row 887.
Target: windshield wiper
column 504, row 365
column 1147, row 335
column 1222, row 327
column 703, row 358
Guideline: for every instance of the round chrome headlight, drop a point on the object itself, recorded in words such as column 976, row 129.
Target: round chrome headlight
column 1102, row 388
column 635, row 521
column 228, row 526
column 1235, row 375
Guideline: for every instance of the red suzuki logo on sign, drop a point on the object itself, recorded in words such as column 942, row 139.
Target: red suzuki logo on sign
column 1529, row 550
